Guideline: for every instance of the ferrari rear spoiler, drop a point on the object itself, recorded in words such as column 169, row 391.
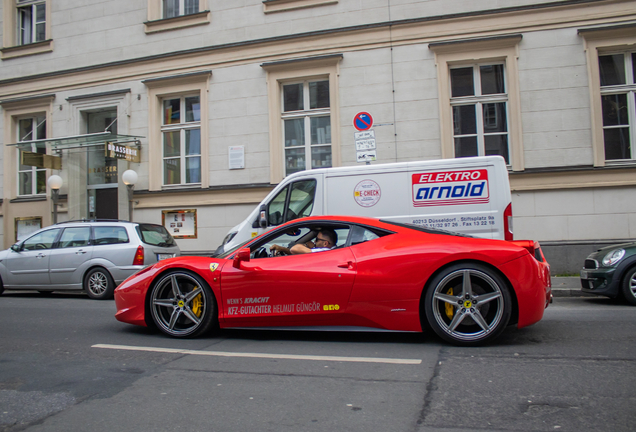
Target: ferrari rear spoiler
column 531, row 246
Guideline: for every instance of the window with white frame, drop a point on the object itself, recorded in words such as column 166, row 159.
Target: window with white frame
column 31, row 21
column 175, row 8
column 31, row 179
column 306, row 121
column 181, row 137
column 618, row 93
column 479, row 104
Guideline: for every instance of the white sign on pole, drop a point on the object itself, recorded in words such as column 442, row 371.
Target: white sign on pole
column 364, row 135
column 366, row 156
column 365, row 145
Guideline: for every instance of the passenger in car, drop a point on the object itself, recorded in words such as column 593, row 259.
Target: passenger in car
column 326, row 239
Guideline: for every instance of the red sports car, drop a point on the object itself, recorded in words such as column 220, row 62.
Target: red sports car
column 379, row 275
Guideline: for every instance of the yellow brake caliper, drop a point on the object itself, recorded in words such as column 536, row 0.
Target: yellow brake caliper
column 197, row 304
column 449, row 308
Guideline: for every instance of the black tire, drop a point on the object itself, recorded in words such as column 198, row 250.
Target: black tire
column 46, row 293
column 182, row 304
column 467, row 304
column 1, row 287
column 99, row 284
column 628, row 286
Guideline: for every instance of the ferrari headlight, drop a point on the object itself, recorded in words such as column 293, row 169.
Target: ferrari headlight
column 613, row 257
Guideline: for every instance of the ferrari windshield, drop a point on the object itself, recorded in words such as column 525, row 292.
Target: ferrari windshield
column 234, row 249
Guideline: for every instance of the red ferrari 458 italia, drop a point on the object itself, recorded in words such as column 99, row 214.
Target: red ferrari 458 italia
column 360, row 274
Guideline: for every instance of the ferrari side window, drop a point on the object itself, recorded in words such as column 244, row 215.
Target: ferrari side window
column 286, row 239
column 360, row 235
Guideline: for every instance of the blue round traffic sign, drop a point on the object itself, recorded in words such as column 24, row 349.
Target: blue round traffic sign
column 363, row 121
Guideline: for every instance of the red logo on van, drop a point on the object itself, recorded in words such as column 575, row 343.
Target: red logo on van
column 450, row 188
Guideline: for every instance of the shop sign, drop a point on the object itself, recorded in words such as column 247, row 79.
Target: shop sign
column 131, row 154
column 40, row 160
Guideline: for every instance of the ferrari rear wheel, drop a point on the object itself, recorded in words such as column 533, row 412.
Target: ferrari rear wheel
column 182, row 304
column 629, row 286
column 468, row 304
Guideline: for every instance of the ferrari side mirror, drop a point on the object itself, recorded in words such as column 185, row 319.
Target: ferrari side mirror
column 243, row 255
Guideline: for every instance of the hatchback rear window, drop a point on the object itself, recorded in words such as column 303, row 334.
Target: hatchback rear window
column 110, row 235
column 155, row 235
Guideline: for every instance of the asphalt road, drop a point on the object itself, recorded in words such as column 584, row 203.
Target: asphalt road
column 63, row 367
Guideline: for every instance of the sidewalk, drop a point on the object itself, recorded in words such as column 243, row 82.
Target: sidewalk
column 568, row 287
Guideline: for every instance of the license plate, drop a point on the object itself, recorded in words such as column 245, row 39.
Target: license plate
column 164, row 256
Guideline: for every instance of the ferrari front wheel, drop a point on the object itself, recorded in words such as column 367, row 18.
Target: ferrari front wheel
column 182, row 304
column 468, row 304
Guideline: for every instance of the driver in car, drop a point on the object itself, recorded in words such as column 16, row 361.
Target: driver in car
column 325, row 240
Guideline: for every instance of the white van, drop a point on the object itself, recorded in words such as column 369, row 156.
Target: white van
column 465, row 195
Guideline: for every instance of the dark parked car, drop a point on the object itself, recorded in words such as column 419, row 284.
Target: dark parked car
column 611, row 272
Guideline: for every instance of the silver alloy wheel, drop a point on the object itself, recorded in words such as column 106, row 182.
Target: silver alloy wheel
column 632, row 284
column 98, row 283
column 474, row 312
column 178, row 304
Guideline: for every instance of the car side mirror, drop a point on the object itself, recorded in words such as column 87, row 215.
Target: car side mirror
column 243, row 255
column 262, row 218
column 16, row 247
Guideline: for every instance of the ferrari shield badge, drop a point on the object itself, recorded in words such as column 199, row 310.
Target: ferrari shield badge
column 214, row 266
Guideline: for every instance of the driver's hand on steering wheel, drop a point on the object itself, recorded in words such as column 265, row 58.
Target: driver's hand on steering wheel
column 278, row 250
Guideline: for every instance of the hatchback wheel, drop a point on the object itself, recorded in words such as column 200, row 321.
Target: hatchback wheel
column 182, row 304
column 629, row 286
column 99, row 284
column 468, row 304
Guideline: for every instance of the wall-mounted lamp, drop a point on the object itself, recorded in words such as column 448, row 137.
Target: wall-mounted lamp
column 129, row 177
column 55, row 183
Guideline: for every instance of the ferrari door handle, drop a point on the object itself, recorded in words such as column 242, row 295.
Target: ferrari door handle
column 347, row 265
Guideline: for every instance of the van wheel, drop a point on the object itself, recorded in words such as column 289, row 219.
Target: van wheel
column 99, row 284
column 629, row 286
column 182, row 304
column 468, row 304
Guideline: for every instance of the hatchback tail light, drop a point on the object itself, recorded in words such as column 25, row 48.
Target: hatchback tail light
column 139, row 256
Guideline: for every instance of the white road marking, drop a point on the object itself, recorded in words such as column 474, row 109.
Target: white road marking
column 263, row 355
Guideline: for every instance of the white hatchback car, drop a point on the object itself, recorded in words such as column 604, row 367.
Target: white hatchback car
column 93, row 256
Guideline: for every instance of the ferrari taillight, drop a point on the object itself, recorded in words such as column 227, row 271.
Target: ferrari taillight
column 139, row 256
column 508, row 223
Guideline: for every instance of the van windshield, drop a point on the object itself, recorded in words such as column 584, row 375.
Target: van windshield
column 155, row 235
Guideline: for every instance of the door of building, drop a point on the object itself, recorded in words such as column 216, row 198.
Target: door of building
column 106, row 204
column 102, row 170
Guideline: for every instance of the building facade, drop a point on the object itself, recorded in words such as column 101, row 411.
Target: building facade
column 220, row 100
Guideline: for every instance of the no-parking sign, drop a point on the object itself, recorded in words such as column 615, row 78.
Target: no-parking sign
column 363, row 121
